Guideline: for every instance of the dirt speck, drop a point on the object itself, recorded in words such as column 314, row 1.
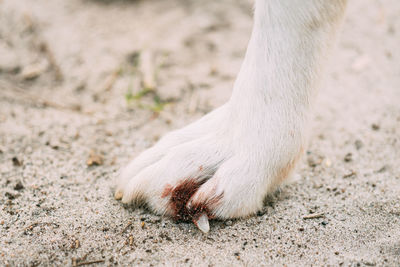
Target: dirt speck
column 16, row 162
column 19, row 186
column 375, row 127
column 348, row 157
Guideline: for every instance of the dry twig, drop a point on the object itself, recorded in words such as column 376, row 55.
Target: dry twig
column 146, row 65
column 314, row 216
column 86, row 262
column 126, row 227
column 44, row 47
column 349, row 174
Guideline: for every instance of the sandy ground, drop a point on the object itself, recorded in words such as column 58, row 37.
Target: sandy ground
column 71, row 82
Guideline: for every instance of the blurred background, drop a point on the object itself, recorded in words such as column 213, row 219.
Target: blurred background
column 86, row 85
column 105, row 55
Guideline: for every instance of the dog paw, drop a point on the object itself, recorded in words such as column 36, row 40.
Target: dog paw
column 217, row 167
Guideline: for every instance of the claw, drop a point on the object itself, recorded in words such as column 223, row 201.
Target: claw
column 202, row 223
column 118, row 195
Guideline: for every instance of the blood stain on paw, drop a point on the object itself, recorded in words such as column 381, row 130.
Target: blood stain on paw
column 167, row 191
column 179, row 197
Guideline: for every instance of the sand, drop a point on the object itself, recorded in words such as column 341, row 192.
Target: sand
column 70, row 85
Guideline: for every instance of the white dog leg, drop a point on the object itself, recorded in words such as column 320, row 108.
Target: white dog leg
column 223, row 165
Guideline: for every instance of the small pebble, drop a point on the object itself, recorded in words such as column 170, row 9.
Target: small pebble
column 228, row 223
column 94, row 159
column 16, row 162
column 375, row 127
column 348, row 157
column 18, row 186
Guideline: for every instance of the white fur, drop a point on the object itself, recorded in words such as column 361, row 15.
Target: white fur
column 248, row 146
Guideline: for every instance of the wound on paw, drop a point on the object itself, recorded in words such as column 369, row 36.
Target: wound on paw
column 179, row 197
